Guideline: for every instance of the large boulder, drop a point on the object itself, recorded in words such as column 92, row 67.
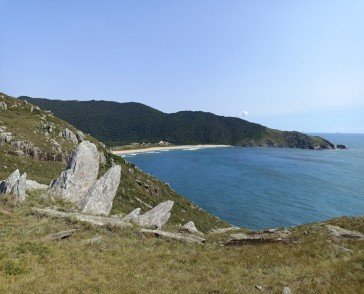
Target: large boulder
column 80, row 174
column 99, row 198
column 157, row 216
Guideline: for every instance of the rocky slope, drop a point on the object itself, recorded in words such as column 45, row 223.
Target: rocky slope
column 40, row 144
column 123, row 123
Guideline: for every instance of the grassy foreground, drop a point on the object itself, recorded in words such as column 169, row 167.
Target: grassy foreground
column 127, row 262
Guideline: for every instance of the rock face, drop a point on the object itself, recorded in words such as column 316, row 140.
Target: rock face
column 80, row 175
column 157, row 216
column 99, row 198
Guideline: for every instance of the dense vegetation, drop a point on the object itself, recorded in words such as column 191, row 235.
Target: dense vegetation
column 123, row 123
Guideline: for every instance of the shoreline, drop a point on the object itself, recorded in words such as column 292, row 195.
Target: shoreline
column 167, row 148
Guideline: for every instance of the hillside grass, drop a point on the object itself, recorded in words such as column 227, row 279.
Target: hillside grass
column 125, row 261
column 137, row 189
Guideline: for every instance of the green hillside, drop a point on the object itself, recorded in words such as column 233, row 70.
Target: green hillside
column 40, row 130
column 123, row 123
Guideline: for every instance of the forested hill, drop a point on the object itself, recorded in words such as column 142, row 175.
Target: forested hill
column 123, row 123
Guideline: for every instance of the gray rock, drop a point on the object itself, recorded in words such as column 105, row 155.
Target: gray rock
column 3, row 129
column 33, row 185
column 6, row 137
column 19, row 188
column 157, row 216
column 132, row 217
column 190, row 227
column 80, row 175
column 68, row 134
column 3, row 105
column 7, row 186
column 102, row 158
column 80, row 136
column 99, row 198
column 286, row 290
column 343, row 233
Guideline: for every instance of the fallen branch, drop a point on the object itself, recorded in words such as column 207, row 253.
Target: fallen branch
column 58, row 236
column 177, row 236
column 92, row 219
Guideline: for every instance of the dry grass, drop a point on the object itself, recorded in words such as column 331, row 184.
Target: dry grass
column 127, row 262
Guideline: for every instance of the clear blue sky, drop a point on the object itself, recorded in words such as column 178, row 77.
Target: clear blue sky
column 289, row 64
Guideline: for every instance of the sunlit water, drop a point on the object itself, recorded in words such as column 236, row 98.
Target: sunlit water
column 267, row 187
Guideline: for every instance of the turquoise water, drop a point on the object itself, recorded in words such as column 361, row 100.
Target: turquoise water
column 267, row 187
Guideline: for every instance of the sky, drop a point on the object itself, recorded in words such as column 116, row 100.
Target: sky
column 291, row 65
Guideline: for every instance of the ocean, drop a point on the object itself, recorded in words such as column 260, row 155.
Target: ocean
column 266, row 187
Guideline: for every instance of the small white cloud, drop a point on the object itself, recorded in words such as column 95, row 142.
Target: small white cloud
column 245, row 113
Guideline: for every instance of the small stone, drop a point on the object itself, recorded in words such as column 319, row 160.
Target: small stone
column 286, row 290
column 258, row 287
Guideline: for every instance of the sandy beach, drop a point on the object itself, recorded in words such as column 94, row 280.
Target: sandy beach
column 167, row 148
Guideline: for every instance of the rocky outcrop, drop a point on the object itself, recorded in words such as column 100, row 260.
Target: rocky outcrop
column 24, row 148
column 80, row 174
column 33, row 185
column 341, row 146
column 3, row 105
column 68, row 134
column 15, row 185
column 156, row 217
column 99, row 198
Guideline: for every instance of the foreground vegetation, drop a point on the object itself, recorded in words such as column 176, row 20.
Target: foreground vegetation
column 126, row 261
column 119, row 124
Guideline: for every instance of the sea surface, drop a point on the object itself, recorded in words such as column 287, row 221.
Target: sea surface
column 266, row 187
